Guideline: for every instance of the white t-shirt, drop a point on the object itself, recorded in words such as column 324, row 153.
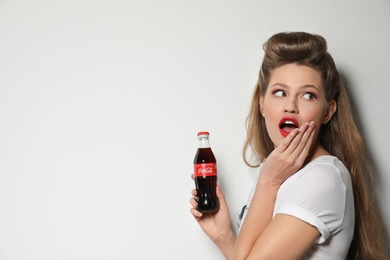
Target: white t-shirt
column 321, row 195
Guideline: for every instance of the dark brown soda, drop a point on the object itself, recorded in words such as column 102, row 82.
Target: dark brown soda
column 206, row 185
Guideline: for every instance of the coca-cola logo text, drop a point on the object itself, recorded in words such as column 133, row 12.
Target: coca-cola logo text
column 205, row 170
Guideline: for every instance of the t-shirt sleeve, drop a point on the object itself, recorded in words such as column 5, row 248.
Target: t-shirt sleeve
column 317, row 196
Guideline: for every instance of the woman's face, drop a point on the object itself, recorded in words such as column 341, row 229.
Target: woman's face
column 295, row 95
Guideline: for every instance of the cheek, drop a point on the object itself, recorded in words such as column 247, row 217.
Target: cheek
column 272, row 128
column 314, row 113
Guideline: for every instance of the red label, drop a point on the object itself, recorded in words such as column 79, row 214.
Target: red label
column 205, row 169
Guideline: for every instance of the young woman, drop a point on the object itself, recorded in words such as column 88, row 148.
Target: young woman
column 312, row 197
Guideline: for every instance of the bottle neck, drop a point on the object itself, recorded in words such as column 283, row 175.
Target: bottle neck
column 203, row 141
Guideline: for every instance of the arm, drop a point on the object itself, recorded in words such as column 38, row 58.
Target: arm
column 285, row 237
column 284, row 161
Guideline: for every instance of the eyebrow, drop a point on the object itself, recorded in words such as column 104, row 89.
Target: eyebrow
column 301, row 87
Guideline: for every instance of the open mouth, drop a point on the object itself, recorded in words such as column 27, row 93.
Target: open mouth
column 287, row 124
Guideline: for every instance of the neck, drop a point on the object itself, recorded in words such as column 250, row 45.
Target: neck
column 316, row 151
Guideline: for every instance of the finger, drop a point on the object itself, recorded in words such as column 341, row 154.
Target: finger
column 194, row 192
column 196, row 213
column 302, row 151
column 193, row 202
column 220, row 195
column 306, row 149
column 301, row 131
column 287, row 141
column 298, row 143
column 291, row 141
column 193, row 176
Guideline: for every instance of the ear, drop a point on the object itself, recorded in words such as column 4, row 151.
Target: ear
column 261, row 100
column 332, row 106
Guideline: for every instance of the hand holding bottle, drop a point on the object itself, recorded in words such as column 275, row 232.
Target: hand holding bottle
column 217, row 225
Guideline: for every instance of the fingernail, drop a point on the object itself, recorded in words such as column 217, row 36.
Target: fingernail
column 304, row 126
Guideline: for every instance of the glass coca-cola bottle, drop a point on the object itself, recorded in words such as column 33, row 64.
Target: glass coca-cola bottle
column 205, row 170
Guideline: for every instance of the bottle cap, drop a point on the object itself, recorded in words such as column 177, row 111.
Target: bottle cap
column 203, row 133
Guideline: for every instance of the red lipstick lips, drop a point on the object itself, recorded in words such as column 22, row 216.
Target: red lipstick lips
column 287, row 124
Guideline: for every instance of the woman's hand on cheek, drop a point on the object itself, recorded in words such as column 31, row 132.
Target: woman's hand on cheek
column 289, row 156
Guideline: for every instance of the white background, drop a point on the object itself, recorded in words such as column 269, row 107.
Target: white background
column 100, row 103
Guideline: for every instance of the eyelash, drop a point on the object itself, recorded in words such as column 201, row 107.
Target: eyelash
column 312, row 95
column 278, row 90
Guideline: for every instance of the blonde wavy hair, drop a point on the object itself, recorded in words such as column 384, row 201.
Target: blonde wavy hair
column 340, row 136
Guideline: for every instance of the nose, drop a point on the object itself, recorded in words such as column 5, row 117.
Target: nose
column 290, row 106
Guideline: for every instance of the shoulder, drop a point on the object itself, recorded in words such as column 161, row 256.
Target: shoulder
column 320, row 193
column 328, row 163
column 324, row 174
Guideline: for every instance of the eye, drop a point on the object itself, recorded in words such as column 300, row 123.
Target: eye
column 279, row 93
column 308, row 96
